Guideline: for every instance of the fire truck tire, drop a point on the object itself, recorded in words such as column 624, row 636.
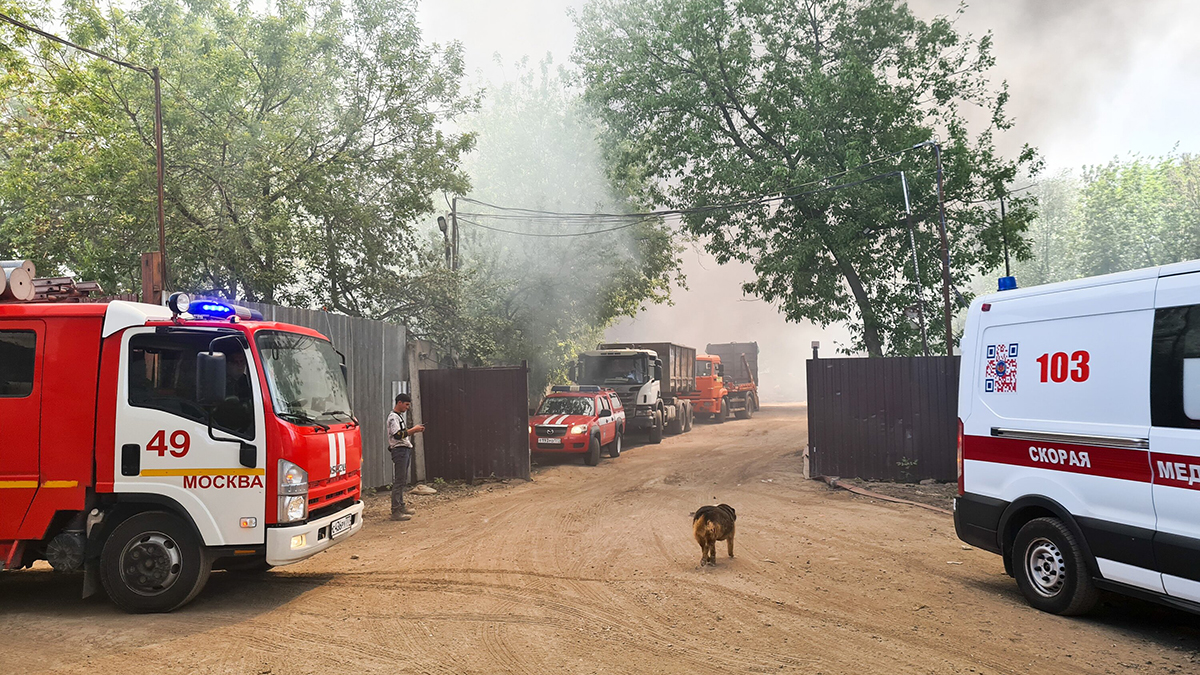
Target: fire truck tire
column 592, row 458
column 1051, row 570
column 656, row 428
column 723, row 414
column 153, row 562
column 614, row 448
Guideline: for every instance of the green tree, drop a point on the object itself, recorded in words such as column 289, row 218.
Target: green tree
column 301, row 146
column 551, row 297
column 720, row 101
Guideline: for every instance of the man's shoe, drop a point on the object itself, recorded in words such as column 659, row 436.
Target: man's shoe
column 401, row 516
column 408, row 511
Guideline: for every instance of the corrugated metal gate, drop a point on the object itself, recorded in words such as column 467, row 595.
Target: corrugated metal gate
column 477, row 423
column 884, row 419
column 377, row 365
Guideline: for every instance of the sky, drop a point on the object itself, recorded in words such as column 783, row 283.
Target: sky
column 1090, row 80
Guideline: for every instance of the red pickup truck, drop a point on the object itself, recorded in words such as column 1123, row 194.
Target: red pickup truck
column 578, row 419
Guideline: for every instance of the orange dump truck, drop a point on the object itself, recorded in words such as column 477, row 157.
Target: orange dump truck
column 726, row 381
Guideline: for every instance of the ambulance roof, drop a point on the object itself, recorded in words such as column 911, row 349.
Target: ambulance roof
column 1091, row 282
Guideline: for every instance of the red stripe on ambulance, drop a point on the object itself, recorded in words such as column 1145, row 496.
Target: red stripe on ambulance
column 1085, row 459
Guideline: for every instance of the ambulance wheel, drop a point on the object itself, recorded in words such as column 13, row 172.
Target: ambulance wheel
column 153, row 562
column 656, row 428
column 1051, row 570
column 592, row 458
column 723, row 414
column 614, row 448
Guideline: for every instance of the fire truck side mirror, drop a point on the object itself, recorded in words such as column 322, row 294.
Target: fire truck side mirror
column 210, row 378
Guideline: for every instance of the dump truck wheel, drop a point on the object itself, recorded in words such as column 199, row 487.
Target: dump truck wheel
column 723, row 414
column 656, row 428
column 747, row 410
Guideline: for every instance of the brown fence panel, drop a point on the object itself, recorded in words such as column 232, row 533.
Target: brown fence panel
column 376, row 363
column 477, row 424
column 884, row 419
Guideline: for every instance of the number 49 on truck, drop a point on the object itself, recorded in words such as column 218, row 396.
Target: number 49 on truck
column 146, row 445
column 1079, row 438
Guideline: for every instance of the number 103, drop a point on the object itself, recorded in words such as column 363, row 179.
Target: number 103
column 1057, row 367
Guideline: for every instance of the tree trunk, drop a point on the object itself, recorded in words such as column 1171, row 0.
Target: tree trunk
column 870, row 330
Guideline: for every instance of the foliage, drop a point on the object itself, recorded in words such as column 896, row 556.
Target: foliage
column 720, row 101
column 552, row 297
column 1127, row 214
column 301, row 145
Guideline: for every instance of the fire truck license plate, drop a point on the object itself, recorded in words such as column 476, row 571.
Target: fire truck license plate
column 339, row 526
column 550, row 441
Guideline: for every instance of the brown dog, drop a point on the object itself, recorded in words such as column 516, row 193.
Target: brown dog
column 711, row 524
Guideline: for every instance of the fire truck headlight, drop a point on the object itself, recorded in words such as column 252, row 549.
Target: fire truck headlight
column 293, row 508
column 292, row 479
column 579, row 429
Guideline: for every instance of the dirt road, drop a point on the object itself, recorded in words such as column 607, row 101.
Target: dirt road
column 594, row 570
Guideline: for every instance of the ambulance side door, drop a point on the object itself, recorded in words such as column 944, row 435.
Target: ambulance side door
column 1175, row 433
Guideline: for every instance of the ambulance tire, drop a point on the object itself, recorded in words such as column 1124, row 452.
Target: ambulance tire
column 1051, row 570
column 592, row 458
column 656, row 428
column 148, row 540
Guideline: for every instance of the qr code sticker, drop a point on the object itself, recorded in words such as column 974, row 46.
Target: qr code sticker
column 1000, row 375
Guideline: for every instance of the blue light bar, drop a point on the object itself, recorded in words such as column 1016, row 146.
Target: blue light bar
column 210, row 309
column 1006, row 283
column 591, row 388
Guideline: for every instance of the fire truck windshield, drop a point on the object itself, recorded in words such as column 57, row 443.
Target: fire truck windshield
column 304, row 375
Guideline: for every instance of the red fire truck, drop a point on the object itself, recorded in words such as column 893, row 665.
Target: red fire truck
column 146, row 445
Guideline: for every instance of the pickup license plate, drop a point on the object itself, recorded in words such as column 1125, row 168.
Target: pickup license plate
column 340, row 526
column 549, row 441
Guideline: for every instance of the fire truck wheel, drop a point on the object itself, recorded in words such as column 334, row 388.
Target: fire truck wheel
column 614, row 448
column 720, row 417
column 592, row 458
column 656, row 428
column 1051, row 570
column 153, row 562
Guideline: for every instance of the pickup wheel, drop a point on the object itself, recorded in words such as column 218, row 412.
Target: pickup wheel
column 592, row 458
column 614, row 448
column 1050, row 568
column 153, row 562
column 656, row 428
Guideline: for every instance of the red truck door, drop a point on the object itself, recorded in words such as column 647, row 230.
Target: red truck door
column 21, row 347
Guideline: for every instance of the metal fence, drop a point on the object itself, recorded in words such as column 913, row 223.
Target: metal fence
column 378, row 369
column 890, row 419
column 477, row 424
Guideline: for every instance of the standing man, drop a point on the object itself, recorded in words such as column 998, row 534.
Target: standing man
column 401, row 447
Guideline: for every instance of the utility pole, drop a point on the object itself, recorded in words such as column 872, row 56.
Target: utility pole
column 158, row 128
column 912, row 240
column 454, row 226
column 937, row 152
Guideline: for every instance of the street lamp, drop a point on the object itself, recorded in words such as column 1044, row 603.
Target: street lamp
column 158, row 124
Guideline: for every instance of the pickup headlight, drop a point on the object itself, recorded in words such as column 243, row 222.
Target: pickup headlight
column 579, row 429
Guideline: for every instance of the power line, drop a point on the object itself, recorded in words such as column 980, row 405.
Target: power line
column 643, row 217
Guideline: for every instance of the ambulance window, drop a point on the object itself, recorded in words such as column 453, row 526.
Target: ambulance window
column 162, row 376
column 17, row 350
column 1175, row 368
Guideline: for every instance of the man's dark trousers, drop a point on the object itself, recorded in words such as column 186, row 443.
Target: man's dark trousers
column 401, row 456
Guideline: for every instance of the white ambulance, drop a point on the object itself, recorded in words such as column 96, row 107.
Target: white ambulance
column 1079, row 437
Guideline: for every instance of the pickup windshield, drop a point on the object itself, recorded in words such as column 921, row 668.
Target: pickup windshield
column 613, row 370
column 305, row 377
column 567, row 405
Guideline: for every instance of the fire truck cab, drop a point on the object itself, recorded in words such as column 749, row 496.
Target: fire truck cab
column 145, row 445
